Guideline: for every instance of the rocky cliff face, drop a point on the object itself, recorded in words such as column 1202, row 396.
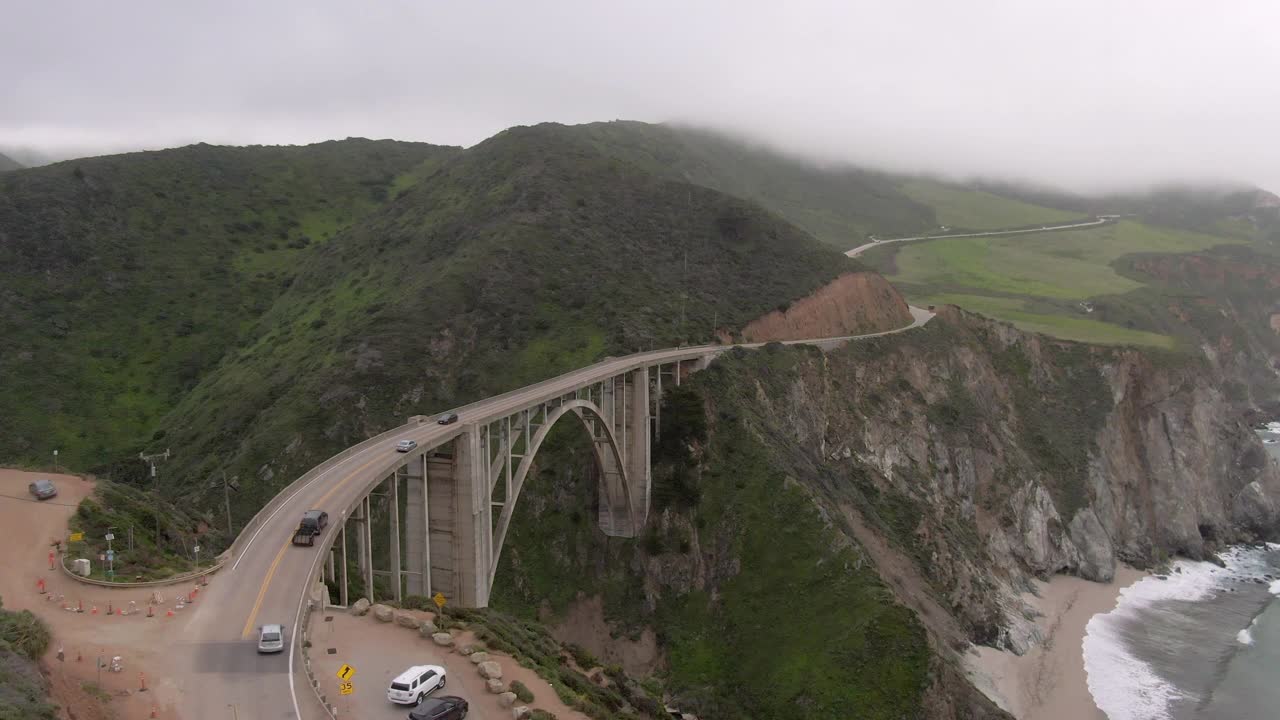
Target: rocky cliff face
column 990, row 456
column 854, row 303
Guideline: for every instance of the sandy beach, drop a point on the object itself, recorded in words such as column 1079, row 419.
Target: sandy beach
column 1049, row 681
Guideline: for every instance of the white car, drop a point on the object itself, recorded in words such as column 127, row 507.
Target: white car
column 410, row 686
column 405, row 445
column 271, row 639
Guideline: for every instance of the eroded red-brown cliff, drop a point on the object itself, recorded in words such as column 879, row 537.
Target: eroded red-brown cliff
column 852, row 304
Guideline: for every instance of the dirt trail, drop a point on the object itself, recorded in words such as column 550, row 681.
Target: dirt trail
column 29, row 529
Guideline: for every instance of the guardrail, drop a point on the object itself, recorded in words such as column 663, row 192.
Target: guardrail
column 286, row 493
column 144, row 583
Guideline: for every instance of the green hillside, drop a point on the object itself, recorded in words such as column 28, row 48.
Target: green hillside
column 840, row 205
column 963, row 208
column 256, row 309
column 126, row 278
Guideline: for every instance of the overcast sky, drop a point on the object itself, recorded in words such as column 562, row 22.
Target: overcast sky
column 1085, row 94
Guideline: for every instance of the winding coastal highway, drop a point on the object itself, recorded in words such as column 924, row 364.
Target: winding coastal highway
column 1026, row 231
column 264, row 580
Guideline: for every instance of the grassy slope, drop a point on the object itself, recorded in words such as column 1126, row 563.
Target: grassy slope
column 839, row 206
column 124, row 279
column 965, row 208
column 528, row 255
column 1035, row 281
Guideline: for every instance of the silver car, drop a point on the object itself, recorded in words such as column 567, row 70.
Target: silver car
column 405, row 445
column 43, row 489
column 270, row 639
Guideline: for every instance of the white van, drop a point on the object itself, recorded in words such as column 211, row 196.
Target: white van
column 410, row 686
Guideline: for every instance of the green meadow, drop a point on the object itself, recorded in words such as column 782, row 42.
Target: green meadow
column 1037, row 281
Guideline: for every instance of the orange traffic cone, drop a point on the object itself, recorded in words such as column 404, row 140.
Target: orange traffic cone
column 151, row 611
column 154, row 714
column 169, row 613
column 94, row 611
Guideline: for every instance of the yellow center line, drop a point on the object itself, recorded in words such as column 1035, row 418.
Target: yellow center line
column 266, row 582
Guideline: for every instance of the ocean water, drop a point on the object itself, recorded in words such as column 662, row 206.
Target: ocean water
column 1201, row 643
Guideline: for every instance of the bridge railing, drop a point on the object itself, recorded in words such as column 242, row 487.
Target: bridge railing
column 284, row 495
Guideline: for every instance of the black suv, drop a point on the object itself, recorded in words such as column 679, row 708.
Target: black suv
column 444, row 707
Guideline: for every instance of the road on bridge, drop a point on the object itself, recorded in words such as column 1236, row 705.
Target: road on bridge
column 215, row 670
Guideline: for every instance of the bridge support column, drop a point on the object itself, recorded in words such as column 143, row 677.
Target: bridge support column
column 417, row 542
column 342, row 592
column 397, row 579
column 638, row 441
column 364, row 546
column 472, row 532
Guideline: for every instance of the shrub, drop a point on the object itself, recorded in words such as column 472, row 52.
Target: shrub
column 23, row 632
column 522, row 691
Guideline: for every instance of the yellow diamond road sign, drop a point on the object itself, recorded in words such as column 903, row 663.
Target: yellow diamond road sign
column 346, row 672
column 439, row 600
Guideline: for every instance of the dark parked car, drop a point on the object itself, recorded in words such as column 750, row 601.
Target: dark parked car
column 445, row 707
column 448, row 418
column 43, row 489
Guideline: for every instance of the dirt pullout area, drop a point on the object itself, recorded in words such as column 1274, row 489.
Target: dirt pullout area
column 584, row 624
column 852, row 304
column 30, row 527
column 380, row 651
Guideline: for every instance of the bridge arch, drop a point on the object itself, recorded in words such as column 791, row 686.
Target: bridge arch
column 607, row 453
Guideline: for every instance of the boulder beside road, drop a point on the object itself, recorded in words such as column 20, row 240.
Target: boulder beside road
column 360, row 608
column 382, row 612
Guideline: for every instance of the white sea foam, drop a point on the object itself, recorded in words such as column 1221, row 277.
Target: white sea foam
column 1274, row 587
column 1273, row 427
column 1245, row 636
column 1125, row 687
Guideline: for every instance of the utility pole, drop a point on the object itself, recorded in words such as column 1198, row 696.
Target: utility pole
column 151, row 460
column 226, row 496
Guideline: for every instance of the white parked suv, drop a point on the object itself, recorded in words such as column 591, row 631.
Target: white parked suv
column 410, row 686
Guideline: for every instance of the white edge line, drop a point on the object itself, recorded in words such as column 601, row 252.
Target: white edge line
column 287, row 500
